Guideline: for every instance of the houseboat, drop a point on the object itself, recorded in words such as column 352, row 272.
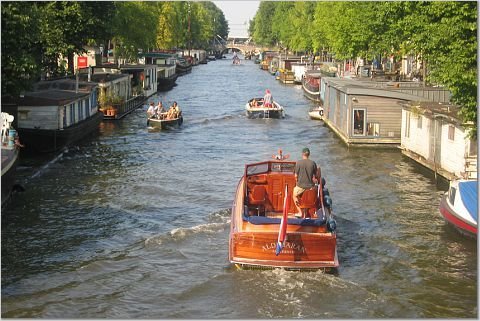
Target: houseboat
column 434, row 136
column 57, row 114
column 264, row 232
column 459, row 206
column 255, row 109
column 114, row 92
column 369, row 113
column 10, row 156
column 166, row 63
column 143, row 77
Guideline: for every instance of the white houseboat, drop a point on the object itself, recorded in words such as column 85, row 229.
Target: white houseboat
column 57, row 114
column 435, row 137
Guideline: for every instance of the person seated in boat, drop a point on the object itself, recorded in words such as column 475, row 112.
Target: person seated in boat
column 254, row 103
column 267, row 99
column 171, row 113
column 176, row 109
column 151, row 110
column 306, row 176
column 159, row 110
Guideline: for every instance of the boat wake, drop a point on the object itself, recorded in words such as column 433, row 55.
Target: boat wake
column 217, row 222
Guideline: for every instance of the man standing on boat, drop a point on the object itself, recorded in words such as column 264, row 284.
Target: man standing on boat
column 306, row 175
column 267, row 99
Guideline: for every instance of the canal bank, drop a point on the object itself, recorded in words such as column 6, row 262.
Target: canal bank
column 139, row 228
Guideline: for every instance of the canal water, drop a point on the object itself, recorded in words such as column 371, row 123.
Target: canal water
column 134, row 223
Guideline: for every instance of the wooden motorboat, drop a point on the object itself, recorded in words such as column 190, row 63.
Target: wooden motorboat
column 316, row 113
column 459, row 206
column 264, row 231
column 255, row 109
column 163, row 123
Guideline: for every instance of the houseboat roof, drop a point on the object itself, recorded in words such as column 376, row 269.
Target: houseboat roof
column 432, row 109
column 157, row 55
column 63, row 84
column 128, row 67
column 104, row 77
column 370, row 88
column 52, row 97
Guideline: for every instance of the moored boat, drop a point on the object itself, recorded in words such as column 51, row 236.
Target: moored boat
column 316, row 113
column 10, row 156
column 459, row 206
column 255, row 109
column 164, row 123
column 311, row 85
column 264, row 232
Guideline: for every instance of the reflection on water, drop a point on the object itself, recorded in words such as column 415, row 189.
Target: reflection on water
column 134, row 223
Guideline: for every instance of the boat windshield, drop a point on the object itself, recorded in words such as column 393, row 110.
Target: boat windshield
column 260, row 168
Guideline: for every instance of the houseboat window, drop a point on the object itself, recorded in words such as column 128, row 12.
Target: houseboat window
column 80, row 110
column 359, row 122
column 93, row 99
column 451, row 132
column 451, row 195
column 419, row 122
column 87, row 107
column 72, row 114
column 64, row 116
column 407, row 124
column 373, row 129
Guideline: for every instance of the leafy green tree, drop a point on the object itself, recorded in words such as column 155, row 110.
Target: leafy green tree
column 263, row 33
column 21, row 50
column 130, row 32
column 67, row 26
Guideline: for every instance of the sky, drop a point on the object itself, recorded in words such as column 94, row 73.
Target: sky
column 238, row 14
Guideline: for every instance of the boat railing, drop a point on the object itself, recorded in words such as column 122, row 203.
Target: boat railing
column 130, row 104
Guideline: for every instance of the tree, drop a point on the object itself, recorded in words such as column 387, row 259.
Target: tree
column 67, row 26
column 21, row 51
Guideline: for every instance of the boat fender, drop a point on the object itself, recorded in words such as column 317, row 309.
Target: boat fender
column 328, row 201
column 331, row 225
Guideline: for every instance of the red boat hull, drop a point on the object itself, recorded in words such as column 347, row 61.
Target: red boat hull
column 449, row 215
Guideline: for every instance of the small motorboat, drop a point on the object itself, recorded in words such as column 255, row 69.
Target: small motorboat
column 255, row 109
column 459, row 206
column 316, row 113
column 162, row 122
column 265, row 233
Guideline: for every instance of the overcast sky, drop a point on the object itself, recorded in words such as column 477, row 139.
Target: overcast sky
column 238, row 14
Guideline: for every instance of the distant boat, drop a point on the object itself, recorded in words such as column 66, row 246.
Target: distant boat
column 265, row 233
column 183, row 66
column 255, row 109
column 459, row 206
column 316, row 113
column 164, row 123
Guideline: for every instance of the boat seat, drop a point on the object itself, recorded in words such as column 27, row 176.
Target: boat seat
column 258, row 196
column 308, row 200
